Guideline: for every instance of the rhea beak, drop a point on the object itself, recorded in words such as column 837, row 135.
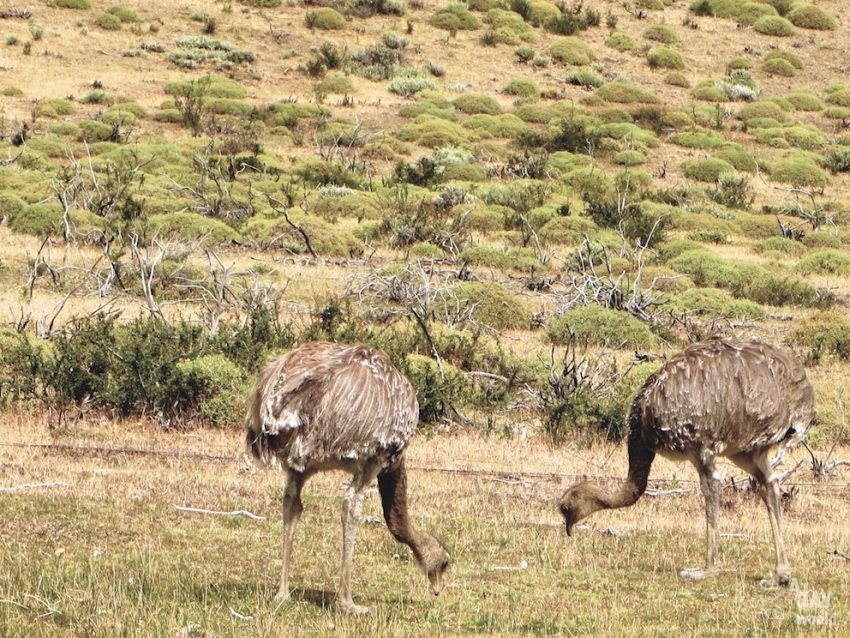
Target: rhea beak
column 569, row 527
column 436, row 584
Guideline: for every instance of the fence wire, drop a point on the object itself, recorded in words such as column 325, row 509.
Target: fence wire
column 513, row 477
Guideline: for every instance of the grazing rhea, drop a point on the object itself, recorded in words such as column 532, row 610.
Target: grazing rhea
column 329, row 406
column 745, row 401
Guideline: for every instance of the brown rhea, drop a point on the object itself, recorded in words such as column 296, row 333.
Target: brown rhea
column 745, row 401
column 327, row 406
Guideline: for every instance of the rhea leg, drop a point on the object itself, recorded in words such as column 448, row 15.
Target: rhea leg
column 352, row 509
column 770, row 493
column 292, row 508
column 710, row 486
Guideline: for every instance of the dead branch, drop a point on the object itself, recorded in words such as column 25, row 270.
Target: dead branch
column 32, row 486
column 279, row 208
column 196, row 510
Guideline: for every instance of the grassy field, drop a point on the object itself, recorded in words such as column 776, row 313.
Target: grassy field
column 106, row 553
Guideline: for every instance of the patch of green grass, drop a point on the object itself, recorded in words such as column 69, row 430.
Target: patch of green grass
column 571, row 51
column 707, row 170
column 621, row 92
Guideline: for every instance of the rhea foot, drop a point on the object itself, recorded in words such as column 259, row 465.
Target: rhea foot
column 282, row 596
column 697, row 573
column 780, row 579
column 348, row 607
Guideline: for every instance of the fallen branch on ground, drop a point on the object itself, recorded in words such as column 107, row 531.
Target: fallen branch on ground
column 31, row 486
column 196, row 510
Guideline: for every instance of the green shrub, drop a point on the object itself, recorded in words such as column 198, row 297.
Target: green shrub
column 630, row 158
column 192, row 227
column 661, row 33
column 540, row 12
column 123, row 14
column 746, row 280
column 438, row 387
column 335, row 84
column 718, row 303
column 737, row 157
column 454, row 17
column 665, row 58
column 586, row 77
column 566, row 231
column 808, row 16
column 54, row 108
column 752, row 11
column 505, row 125
column 699, row 139
column 477, row 103
column 409, row 86
column 620, row 92
column 780, row 246
column 10, row 204
column 107, row 22
column 826, row 333
column 674, row 78
column 838, row 159
column 325, row 238
column 491, row 304
column 805, row 101
column 38, row 219
column 522, row 88
column 73, row 4
column 707, row 170
column 780, row 54
column 598, row 325
column 23, row 362
column 761, row 109
column 774, row 26
column 621, row 42
column 214, row 386
column 799, row 172
column 708, row 91
column 826, row 262
column 217, row 86
column 324, row 19
column 571, row 51
column 778, row 66
column 94, row 131
column 739, row 62
column 434, row 133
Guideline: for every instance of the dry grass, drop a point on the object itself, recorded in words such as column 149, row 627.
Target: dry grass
column 108, row 555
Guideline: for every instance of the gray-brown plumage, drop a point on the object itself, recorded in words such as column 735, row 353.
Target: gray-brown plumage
column 327, row 406
column 745, row 401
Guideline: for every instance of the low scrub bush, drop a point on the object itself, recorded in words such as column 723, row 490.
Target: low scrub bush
column 774, row 26
column 809, row 16
column 665, row 58
column 490, row 305
column 191, row 227
column 826, row 262
column 597, row 325
column 825, row 334
column 625, row 93
column 716, row 303
column 661, row 33
column 707, row 170
column 108, row 22
column 474, row 103
column 439, row 387
column 454, row 17
column 324, row 19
